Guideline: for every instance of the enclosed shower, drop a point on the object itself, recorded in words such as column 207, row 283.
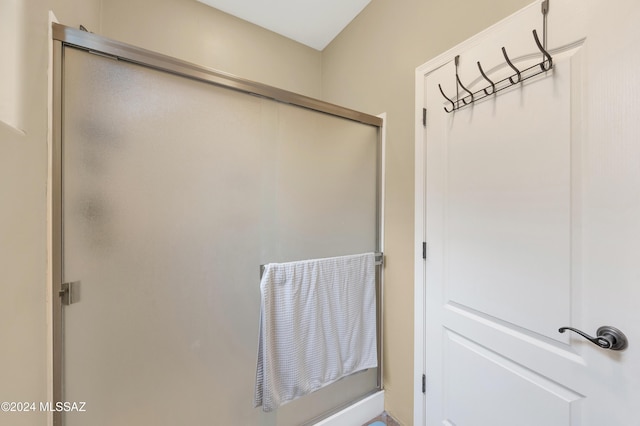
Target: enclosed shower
column 173, row 184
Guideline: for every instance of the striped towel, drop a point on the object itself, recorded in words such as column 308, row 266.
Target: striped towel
column 317, row 325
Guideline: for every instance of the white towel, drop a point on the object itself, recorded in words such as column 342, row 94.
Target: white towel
column 317, row 325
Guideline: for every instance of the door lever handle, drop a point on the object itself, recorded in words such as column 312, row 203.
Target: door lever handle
column 607, row 337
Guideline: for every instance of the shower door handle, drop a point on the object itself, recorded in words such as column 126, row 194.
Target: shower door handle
column 607, row 337
column 69, row 292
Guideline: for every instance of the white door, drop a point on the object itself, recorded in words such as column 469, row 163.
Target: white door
column 530, row 206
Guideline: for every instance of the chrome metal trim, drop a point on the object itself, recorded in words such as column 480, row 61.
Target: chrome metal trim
column 125, row 52
column 57, row 249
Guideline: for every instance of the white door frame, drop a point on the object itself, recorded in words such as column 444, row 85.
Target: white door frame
column 420, row 208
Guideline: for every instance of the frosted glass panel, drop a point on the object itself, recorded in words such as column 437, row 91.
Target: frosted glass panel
column 175, row 191
column 324, row 186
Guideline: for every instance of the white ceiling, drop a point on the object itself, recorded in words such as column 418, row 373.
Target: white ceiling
column 311, row 22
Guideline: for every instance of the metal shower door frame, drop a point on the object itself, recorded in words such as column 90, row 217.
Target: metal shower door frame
column 64, row 36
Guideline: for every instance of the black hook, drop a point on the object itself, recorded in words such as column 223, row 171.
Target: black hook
column 493, row 86
column 453, row 105
column 546, row 54
column 504, row 52
column 466, row 90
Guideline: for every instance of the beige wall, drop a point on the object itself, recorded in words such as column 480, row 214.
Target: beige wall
column 23, row 185
column 194, row 32
column 370, row 67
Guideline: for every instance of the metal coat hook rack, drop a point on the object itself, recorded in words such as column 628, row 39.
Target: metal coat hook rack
column 494, row 87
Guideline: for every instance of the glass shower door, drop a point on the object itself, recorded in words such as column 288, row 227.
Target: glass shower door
column 174, row 192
